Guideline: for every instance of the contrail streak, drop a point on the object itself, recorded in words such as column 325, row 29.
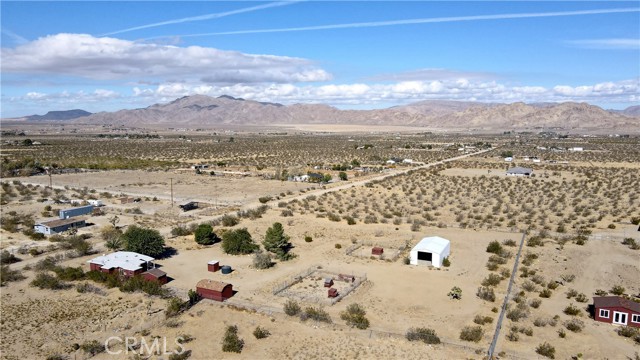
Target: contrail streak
column 423, row 21
column 206, row 17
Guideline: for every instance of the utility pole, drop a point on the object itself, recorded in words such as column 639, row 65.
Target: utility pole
column 171, row 191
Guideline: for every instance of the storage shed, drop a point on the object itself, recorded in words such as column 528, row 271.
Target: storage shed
column 213, row 266
column 214, row 290
column 328, row 282
column 155, row 275
column 430, row 251
column 377, row 251
column 332, row 293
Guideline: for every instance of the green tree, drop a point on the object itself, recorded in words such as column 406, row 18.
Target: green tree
column 144, row 241
column 204, row 235
column 276, row 241
column 342, row 175
column 326, row 178
column 238, row 241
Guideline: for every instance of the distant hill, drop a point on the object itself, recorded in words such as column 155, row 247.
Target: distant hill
column 632, row 111
column 205, row 111
column 59, row 115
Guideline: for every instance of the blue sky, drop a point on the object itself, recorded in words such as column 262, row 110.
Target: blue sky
column 105, row 56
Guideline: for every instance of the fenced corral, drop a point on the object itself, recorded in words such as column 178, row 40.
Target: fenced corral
column 363, row 249
column 309, row 285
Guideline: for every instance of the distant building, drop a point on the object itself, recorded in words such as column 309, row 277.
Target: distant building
column 576, row 149
column 430, row 251
column 214, row 290
column 125, row 263
column 76, row 211
column 508, row 159
column 58, row 226
column 189, row 206
column 519, row 171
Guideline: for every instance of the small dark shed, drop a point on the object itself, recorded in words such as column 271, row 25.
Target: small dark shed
column 213, row 266
column 189, row 206
column 332, row 293
column 214, row 290
column 377, row 251
column 328, row 282
column 155, row 275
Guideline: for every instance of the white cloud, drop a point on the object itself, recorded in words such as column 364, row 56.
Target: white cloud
column 613, row 44
column 107, row 58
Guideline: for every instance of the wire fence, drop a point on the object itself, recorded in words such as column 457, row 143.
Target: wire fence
column 351, row 280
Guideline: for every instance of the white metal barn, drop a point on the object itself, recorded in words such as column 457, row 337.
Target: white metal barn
column 430, row 251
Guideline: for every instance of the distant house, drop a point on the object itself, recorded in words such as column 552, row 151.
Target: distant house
column 189, row 206
column 508, row 159
column 519, row 171
column 315, row 177
column 394, row 160
column 76, row 211
column 126, row 263
column 300, row 178
column 616, row 310
column 58, row 226
column 576, row 149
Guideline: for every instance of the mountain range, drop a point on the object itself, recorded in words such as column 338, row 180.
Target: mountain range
column 204, row 111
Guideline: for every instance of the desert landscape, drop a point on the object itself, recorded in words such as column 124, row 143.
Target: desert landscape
column 567, row 231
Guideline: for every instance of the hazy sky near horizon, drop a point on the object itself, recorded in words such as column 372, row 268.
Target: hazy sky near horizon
column 105, row 55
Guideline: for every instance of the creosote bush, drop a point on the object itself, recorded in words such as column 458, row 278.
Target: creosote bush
column 261, row 333
column 231, row 342
column 426, row 335
column 486, row 293
column 315, row 313
column 471, row 333
column 291, row 307
column 355, row 316
column 547, row 350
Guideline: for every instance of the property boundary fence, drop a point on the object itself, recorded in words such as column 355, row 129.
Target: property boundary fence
column 506, row 300
column 282, row 288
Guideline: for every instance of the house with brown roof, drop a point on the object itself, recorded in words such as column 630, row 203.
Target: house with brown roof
column 616, row 310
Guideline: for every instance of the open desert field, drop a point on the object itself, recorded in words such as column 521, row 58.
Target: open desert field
column 564, row 231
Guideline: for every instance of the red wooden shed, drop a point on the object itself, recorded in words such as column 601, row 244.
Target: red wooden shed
column 377, row 251
column 332, row 293
column 214, row 290
column 155, row 275
column 213, row 266
column 328, row 282
column 616, row 310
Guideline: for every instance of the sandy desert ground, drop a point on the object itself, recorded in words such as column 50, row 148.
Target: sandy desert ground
column 40, row 323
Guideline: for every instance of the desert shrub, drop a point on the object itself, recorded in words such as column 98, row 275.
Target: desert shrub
column 571, row 293
column 7, row 258
column 545, row 293
column 536, row 241
column 535, row 303
column 317, row 314
column 562, row 334
column 355, row 316
column 617, row 290
column 262, row 260
column 494, row 247
column 265, row 199
column 540, row 322
column 229, row 220
column 582, row 298
column 486, row 293
column 286, row 213
column 261, row 333
column 426, row 335
column 338, row 246
column 516, row 314
column 552, row 285
column 231, row 342
column 406, row 260
column 308, row 238
column 238, row 242
column 175, row 306
column 481, row 320
column 143, row 241
column 204, row 235
column 446, row 262
column 574, row 325
column 505, row 273
column 471, row 333
column 46, row 281
column 627, row 331
column 69, row 273
column 547, row 350
column 491, row 266
column 491, row 280
column 9, row 275
column 180, row 230
column 497, row 259
column 92, row 347
column 291, row 308
column 57, row 357
column 611, row 226
column 601, row 292
column 571, row 310
column 184, row 355
column 529, row 286
column 509, row 242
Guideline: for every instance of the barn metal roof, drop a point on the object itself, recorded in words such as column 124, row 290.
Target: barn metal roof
column 126, row 260
column 432, row 244
column 211, row 285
